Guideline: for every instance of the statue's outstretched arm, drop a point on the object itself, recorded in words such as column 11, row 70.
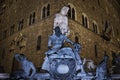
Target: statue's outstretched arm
column 68, row 40
column 17, row 57
column 33, row 69
column 49, row 42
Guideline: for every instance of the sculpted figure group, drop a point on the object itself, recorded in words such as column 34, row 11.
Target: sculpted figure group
column 55, row 43
column 28, row 69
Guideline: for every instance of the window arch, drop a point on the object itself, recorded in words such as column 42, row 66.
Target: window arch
column 72, row 11
column 96, row 50
column 38, row 43
column 48, row 10
column 45, row 11
column 69, row 12
column 106, row 25
column 84, row 20
column 83, row 23
column 20, row 25
column 95, row 27
column 32, row 18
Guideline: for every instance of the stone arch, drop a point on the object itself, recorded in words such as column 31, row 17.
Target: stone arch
column 85, row 20
column 45, row 10
column 95, row 23
column 73, row 11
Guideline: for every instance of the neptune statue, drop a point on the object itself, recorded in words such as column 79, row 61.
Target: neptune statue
column 63, row 63
column 55, row 43
column 60, row 62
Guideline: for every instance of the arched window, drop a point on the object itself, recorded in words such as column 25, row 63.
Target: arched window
column 106, row 26
column 84, row 21
column 96, row 52
column 43, row 12
column 95, row 28
column 71, row 12
column 48, row 10
column 32, row 18
column 20, row 26
column 38, row 43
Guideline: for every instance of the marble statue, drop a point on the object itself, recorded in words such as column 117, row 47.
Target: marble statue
column 61, row 20
column 63, row 63
column 79, row 63
column 26, row 65
column 55, row 43
column 101, row 71
column 90, row 65
column 77, row 50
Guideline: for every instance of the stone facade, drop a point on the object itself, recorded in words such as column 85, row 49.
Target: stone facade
column 25, row 40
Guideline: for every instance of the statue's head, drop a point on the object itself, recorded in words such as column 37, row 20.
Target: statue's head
column 76, row 39
column 22, row 57
column 57, row 31
column 64, row 10
column 106, row 57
